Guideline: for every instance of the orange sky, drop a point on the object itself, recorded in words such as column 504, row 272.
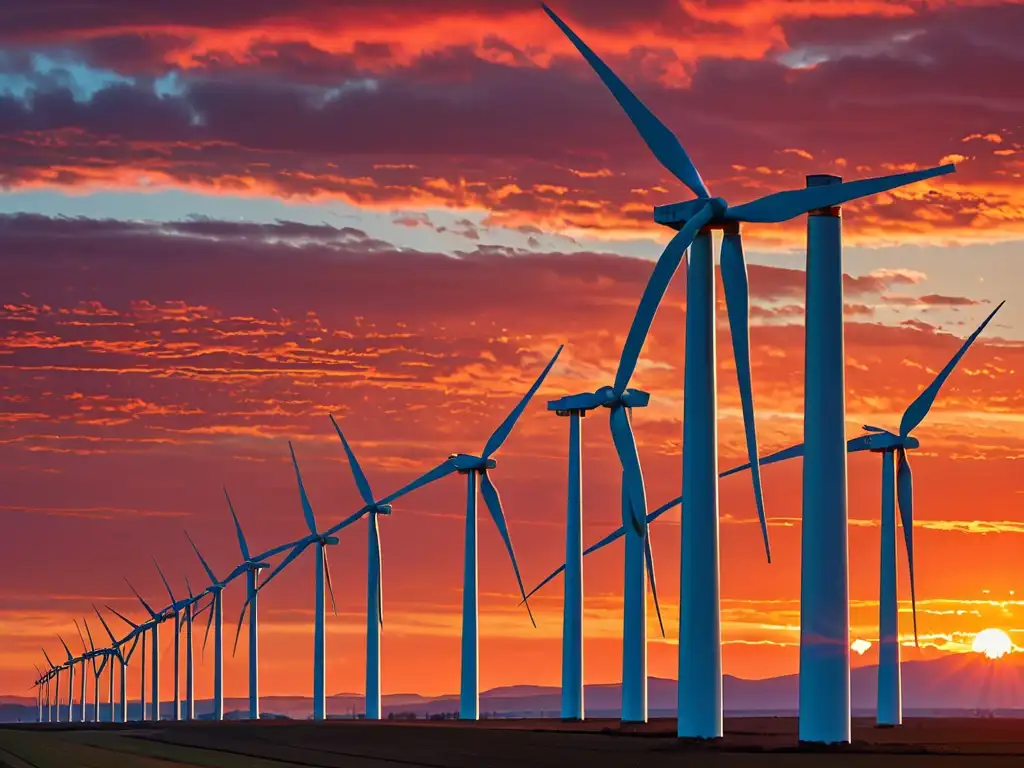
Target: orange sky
column 428, row 205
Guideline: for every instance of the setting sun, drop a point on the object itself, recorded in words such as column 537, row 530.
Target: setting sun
column 994, row 643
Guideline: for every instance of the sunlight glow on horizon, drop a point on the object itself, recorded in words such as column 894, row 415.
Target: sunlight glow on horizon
column 994, row 643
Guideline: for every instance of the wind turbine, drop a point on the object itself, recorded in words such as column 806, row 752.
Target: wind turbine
column 251, row 567
column 156, row 619
column 138, row 633
column 323, row 574
column 476, row 469
column 116, row 646
column 39, row 685
column 175, row 609
column 84, row 658
column 374, row 596
column 54, row 672
column 215, row 590
column 825, row 706
column 71, row 681
column 897, row 483
column 97, row 670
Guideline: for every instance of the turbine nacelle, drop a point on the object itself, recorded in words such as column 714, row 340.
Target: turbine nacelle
column 602, row 398
column 884, row 440
column 675, row 215
column 380, row 509
column 256, row 565
column 327, row 541
column 464, row 463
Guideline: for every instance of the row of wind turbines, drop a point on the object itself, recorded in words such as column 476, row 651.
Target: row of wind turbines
column 824, row 654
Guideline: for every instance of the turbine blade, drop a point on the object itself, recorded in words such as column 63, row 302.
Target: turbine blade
column 209, row 622
column 346, row 522
column 307, row 510
column 905, row 495
column 853, row 445
column 213, row 579
column 92, row 645
column 296, row 551
column 145, row 605
column 188, row 586
column 52, row 665
column 135, row 643
column 357, row 472
column 443, row 469
column 649, row 557
column 121, row 616
column 238, row 629
column 496, row 440
column 662, row 275
column 918, row 409
column 493, row 501
column 661, row 141
column 737, row 302
column 783, row 206
column 238, row 528
column 632, row 475
column 164, row 580
column 71, row 656
column 85, row 648
column 327, row 578
column 110, row 634
column 678, row 500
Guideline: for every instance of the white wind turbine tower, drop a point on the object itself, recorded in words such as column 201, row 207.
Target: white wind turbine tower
column 323, row 578
column 123, row 658
column 216, row 592
column 156, row 619
column 53, row 715
column 476, row 469
column 251, row 566
column 139, row 632
column 175, row 609
column 70, row 666
column 97, row 670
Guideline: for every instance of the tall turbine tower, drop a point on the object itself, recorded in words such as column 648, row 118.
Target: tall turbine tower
column 251, row 566
column 323, row 574
column 156, row 619
column 138, row 632
column 476, row 469
column 84, row 658
column 54, row 716
column 825, row 671
column 97, row 670
column 215, row 590
column 71, row 681
column 175, row 609
column 117, row 647
column 897, row 484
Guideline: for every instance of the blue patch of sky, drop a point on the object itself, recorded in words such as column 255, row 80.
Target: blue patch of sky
column 49, row 71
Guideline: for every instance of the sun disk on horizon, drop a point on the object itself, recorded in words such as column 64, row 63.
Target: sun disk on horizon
column 994, row 643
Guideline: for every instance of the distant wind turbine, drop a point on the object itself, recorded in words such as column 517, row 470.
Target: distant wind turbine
column 215, row 590
column 175, row 609
column 83, row 660
column 97, row 670
column 476, row 469
column 374, row 594
column 71, row 681
column 123, row 658
column 156, row 619
column 323, row 575
column 138, row 634
column 251, row 566
column 53, row 714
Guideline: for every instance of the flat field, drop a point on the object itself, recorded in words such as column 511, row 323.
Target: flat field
column 502, row 744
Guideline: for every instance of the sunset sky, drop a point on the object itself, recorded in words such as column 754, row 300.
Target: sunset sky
column 222, row 221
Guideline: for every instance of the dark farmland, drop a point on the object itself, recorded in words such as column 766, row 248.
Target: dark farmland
column 503, row 744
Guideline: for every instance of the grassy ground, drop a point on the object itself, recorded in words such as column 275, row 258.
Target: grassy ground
column 501, row 744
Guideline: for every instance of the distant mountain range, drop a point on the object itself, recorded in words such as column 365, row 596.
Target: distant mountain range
column 960, row 683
